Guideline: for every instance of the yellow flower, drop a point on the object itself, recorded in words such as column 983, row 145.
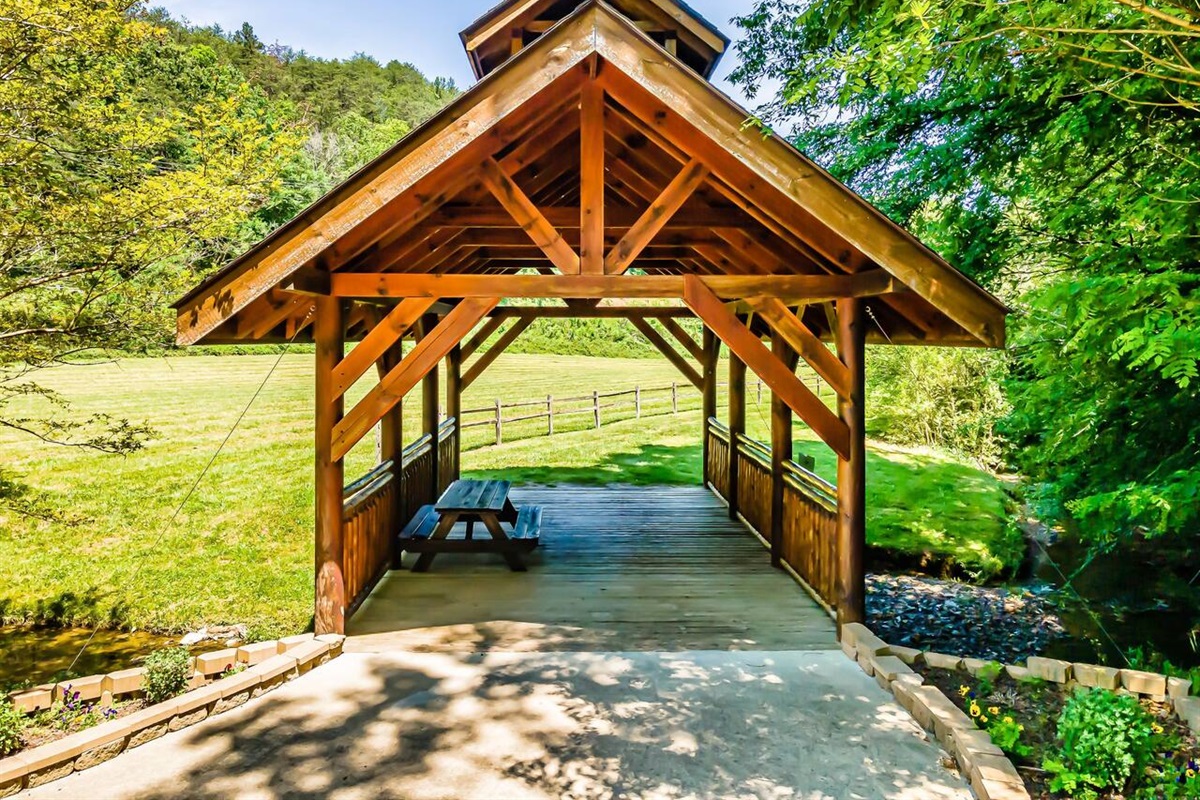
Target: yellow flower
column 963, row 691
column 1191, row 773
column 994, row 710
column 1008, row 720
column 1156, row 728
column 974, row 709
column 983, row 719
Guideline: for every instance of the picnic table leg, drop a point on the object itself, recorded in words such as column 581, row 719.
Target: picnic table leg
column 493, row 525
column 509, row 514
column 444, row 526
column 470, row 529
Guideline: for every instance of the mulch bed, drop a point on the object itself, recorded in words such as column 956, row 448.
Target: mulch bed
column 1037, row 705
column 43, row 730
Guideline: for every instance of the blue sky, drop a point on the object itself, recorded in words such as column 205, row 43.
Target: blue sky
column 420, row 31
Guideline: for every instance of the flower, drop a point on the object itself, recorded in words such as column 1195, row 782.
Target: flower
column 983, row 719
column 1007, row 719
column 974, row 709
column 994, row 710
column 1156, row 728
column 963, row 691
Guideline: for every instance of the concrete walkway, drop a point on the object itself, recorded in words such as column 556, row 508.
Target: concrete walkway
column 749, row 724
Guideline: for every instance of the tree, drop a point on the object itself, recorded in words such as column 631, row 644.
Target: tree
column 124, row 159
column 1048, row 149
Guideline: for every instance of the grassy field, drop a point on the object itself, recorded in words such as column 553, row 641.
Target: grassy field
column 241, row 548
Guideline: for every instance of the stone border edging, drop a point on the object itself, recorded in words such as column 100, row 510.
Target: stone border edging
column 266, row 669
column 992, row 775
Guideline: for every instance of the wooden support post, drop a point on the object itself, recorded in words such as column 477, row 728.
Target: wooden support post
column 429, row 409
column 781, row 452
column 454, row 406
column 329, row 613
column 737, row 426
column 852, row 475
column 708, row 392
column 391, row 448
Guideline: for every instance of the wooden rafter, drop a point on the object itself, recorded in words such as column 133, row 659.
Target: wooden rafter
column 432, row 348
column 527, row 215
column 484, row 361
column 490, row 326
column 804, row 342
column 669, row 352
column 652, row 221
column 375, row 344
column 746, row 346
column 691, row 345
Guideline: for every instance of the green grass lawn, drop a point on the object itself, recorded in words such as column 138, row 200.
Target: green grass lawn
column 241, row 550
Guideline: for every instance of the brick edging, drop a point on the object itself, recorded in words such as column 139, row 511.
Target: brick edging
column 269, row 664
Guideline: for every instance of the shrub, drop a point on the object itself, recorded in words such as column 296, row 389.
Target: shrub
column 12, row 722
column 1104, row 739
column 167, row 673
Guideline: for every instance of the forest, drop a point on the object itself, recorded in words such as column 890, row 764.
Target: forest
column 1046, row 149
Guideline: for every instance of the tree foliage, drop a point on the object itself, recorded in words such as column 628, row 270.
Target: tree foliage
column 1047, row 149
column 136, row 154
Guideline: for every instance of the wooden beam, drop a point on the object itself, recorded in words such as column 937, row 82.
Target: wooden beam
column 430, row 408
column 424, row 357
column 604, row 312
column 372, row 347
column 485, row 360
column 655, row 217
column 671, row 354
column 527, row 215
column 591, row 179
column 454, row 390
column 475, row 342
column 708, row 394
column 329, row 612
column 852, row 468
column 774, row 373
column 391, row 443
column 789, row 288
column 691, row 345
column 616, row 218
column 803, row 341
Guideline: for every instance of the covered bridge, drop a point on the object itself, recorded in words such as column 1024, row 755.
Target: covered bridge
column 593, row 166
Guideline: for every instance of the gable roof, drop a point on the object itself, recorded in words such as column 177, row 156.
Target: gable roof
column 786, row 214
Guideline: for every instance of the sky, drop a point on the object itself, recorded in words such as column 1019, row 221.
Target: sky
column 423, row 32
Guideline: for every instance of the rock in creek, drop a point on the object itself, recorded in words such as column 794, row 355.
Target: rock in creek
column 1000, row 624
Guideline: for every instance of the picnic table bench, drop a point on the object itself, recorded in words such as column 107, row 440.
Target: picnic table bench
column 472, row 501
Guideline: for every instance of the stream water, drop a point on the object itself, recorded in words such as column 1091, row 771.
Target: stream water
column 1143, row 595
column 33, row 655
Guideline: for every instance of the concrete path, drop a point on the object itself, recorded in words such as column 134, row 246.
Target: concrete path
column 702, row 724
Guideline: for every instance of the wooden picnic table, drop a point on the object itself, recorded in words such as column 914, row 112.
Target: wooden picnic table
column 473, row 501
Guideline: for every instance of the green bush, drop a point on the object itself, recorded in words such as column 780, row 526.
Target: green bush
column 1104, row 740
column 166, row 673
column 12, row 722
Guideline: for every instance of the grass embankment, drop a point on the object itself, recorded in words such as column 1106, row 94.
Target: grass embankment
column 241, row 549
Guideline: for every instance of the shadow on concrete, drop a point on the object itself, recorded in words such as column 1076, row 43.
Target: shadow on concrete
column 550, row 725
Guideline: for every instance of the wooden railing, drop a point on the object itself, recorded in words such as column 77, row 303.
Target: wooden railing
column 368, row 518
column 809, row 540
column 376, row 506
column 447, row 453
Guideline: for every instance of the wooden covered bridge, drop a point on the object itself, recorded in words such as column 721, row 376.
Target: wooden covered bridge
column 593, row 167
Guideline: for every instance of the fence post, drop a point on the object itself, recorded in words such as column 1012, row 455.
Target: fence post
column 549, row 415
column 674, row 398
column 637, row 402
column 760, row 390
column 499, row 422
column 596, row 406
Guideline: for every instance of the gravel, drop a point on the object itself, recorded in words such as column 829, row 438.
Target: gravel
column 996, row 624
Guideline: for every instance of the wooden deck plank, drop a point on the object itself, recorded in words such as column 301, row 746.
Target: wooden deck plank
column 619, row 568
